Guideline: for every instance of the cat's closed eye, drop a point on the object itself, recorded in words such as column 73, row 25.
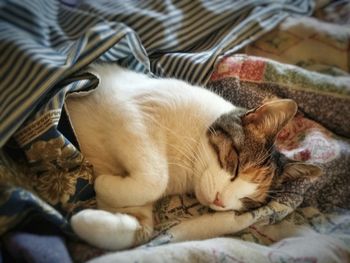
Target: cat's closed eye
column 227, row 154
column 235, row 174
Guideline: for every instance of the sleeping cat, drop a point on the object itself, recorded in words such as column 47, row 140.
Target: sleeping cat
column 148, row 138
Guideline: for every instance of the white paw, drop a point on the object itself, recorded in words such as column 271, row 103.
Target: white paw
column 104, row 229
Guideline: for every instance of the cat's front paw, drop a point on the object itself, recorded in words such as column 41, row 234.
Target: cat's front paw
column 112, row 231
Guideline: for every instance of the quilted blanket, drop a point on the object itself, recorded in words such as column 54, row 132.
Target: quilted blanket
column 44, row 177
column 310, row 226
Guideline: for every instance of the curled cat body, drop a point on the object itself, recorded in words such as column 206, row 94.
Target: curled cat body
column 148, row 138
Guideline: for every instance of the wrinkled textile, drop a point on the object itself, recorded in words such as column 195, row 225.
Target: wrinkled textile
column 233, row 250
column 249, row 80
column 44, row 42
column 318, row 230
column 26, row 247
column 46, row 46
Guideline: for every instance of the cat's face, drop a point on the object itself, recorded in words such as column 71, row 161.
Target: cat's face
column 238, row 164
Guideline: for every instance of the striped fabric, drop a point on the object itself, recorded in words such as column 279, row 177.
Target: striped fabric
column 45, row 44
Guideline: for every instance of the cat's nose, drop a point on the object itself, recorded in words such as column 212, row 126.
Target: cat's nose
column 218, row 201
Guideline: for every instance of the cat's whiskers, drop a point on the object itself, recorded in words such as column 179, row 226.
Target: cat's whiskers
column 198, row 157
column 217, row 91
column 275, row 190
column 182, row 152
column 174, row 133
column 212, row 130
column 153, row 119
column 190, row 155
column 188, row 150
column 181, row 165
column 272, row 194
column 271, row 197
column 284, row 192
column 186, row 143
column 263, row 155
column 205, row 151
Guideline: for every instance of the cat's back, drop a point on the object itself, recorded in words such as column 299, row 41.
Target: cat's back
column 126, row 103
column 117, row 83
column 110, row 101
column 126, row 96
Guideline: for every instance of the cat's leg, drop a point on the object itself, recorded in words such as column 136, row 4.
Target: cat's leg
column 210, row 225
column 146, row 172
column 144, row 215
column 137, row 189
column 114, row 230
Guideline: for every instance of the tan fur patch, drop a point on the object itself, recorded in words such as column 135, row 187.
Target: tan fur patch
column 224, row 149
column 260, row 175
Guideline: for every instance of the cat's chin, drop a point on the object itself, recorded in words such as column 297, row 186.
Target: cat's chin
column 218, row 208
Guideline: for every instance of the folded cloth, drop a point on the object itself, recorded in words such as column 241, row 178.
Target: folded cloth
column 27, row 247
column 44, row 42
column 46, row 45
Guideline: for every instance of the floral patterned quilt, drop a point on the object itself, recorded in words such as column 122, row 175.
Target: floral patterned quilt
column 304, row 58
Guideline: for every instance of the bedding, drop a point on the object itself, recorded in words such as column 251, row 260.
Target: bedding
column 287, row 54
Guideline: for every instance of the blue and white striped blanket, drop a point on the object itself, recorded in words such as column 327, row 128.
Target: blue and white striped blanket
column 45, row 45
column 45, row 42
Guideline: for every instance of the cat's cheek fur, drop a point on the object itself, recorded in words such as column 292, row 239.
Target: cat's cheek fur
column 206, row 183
column 204, row 188
column 213, row 181
column 233, row 192
column 209, row 182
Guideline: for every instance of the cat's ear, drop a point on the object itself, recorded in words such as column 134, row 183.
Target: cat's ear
column 271, row 117
column 299, row 170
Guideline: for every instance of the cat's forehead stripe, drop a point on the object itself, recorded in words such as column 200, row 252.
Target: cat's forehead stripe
column 258, row 175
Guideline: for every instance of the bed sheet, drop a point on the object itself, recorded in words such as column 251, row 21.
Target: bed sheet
column 306, row 59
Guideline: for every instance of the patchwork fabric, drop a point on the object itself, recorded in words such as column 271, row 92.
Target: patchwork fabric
column 306, row 221
column 45, row 43
column 46, row 46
